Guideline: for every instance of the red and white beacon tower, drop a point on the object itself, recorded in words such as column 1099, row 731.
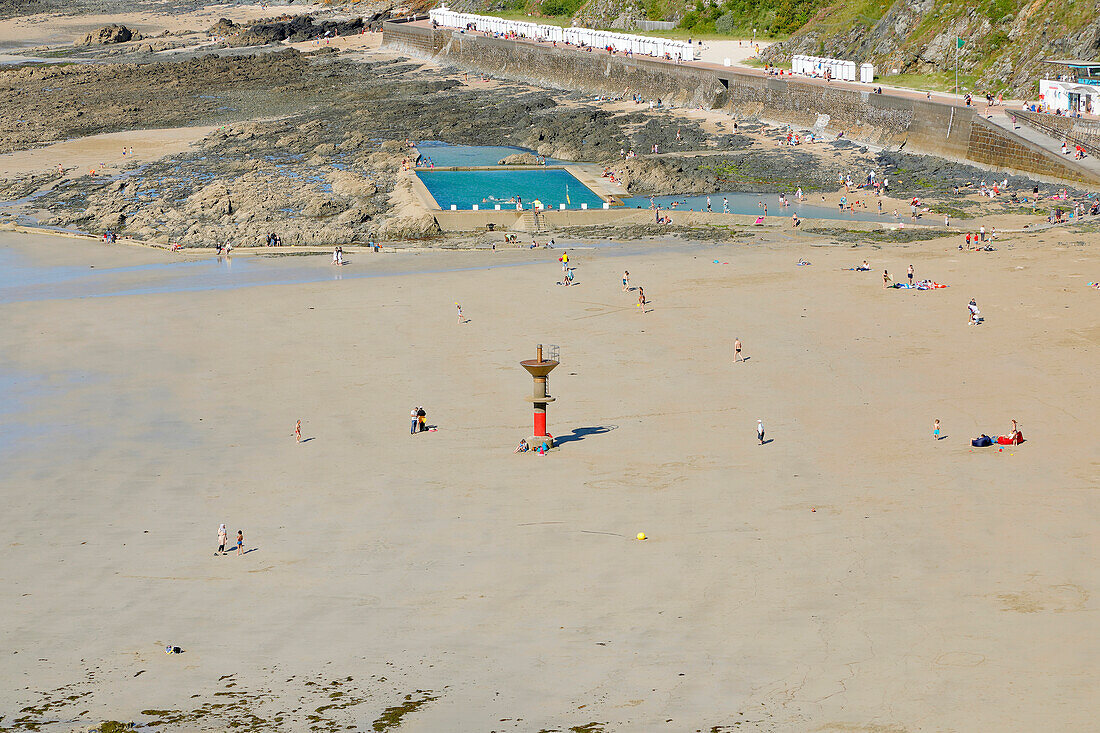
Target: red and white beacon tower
column 539, row 368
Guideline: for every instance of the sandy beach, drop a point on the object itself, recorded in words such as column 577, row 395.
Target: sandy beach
column 851, row 574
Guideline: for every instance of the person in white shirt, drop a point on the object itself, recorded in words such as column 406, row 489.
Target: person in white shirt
column 760, row 431
column 974, row 312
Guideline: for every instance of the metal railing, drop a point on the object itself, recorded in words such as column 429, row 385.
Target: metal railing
column 1034, row 119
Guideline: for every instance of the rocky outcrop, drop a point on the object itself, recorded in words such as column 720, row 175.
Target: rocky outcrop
column 109, row 34
column 290, row 29
column 519, row 159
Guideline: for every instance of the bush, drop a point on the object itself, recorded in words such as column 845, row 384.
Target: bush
column 725, row 23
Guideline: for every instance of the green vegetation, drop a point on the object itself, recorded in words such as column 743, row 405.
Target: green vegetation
column 560, row 7
column 533, row 17
column 942, row 81
column 392, row 717
column 112, row 726
column 770, row 18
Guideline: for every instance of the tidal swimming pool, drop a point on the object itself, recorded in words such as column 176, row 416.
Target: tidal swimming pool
column 487, row 189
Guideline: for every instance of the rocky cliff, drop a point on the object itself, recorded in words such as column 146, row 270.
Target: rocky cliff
column 1005, row 41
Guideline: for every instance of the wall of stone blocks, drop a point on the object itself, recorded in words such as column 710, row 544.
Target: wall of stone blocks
column 563, row 67
column 995, row 147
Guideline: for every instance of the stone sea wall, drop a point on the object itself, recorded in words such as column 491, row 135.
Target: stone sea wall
column 897, row 123
column 561, row 67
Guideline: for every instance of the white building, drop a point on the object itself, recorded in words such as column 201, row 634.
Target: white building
column 1069, row 97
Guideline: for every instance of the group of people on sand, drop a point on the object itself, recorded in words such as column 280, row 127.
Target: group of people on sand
column 419, row 420
column 1014, row 437
column 223, row 541
column 338, row 256
column 641, row 290
column 980, row 241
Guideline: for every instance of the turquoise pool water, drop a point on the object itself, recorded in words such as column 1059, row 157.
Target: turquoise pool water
column 749, row 204
column 446, row 154
column 485, row 189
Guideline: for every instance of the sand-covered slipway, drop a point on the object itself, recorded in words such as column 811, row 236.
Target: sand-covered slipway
column 852, row 572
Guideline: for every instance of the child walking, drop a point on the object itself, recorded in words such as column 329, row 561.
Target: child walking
column 298, row 432
column 936, row 429
column 240, row 541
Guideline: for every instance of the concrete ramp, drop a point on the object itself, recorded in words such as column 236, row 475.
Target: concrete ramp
column 1089, row 167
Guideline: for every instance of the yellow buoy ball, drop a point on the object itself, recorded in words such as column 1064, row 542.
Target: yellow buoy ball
column 641, row 535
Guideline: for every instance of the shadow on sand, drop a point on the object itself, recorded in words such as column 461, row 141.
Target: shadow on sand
column 582, row 433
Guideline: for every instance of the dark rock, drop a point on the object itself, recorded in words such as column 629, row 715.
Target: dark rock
column 109, row 34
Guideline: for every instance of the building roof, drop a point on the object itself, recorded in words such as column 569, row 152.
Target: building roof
column 1071, row 62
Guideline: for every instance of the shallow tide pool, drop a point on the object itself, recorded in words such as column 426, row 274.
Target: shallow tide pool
column 750, row 204
column 445, row 154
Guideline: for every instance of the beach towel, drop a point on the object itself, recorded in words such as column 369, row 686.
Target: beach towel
column 759, row 220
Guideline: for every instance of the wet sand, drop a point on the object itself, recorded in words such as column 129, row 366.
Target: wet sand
column 853, row 574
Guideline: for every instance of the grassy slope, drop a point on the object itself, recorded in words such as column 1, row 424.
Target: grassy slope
column 1005, row 40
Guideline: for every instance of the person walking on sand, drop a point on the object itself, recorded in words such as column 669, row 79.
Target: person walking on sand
column 760, row 431
column 641, row 299
column 240, row 542
column 298, row 431
column 936, row 429
column 909, row 274
column 223, row 539
column 461, row 320
column 415, row 420
column 885, row 279
column 626, row 280
column 737, row 351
